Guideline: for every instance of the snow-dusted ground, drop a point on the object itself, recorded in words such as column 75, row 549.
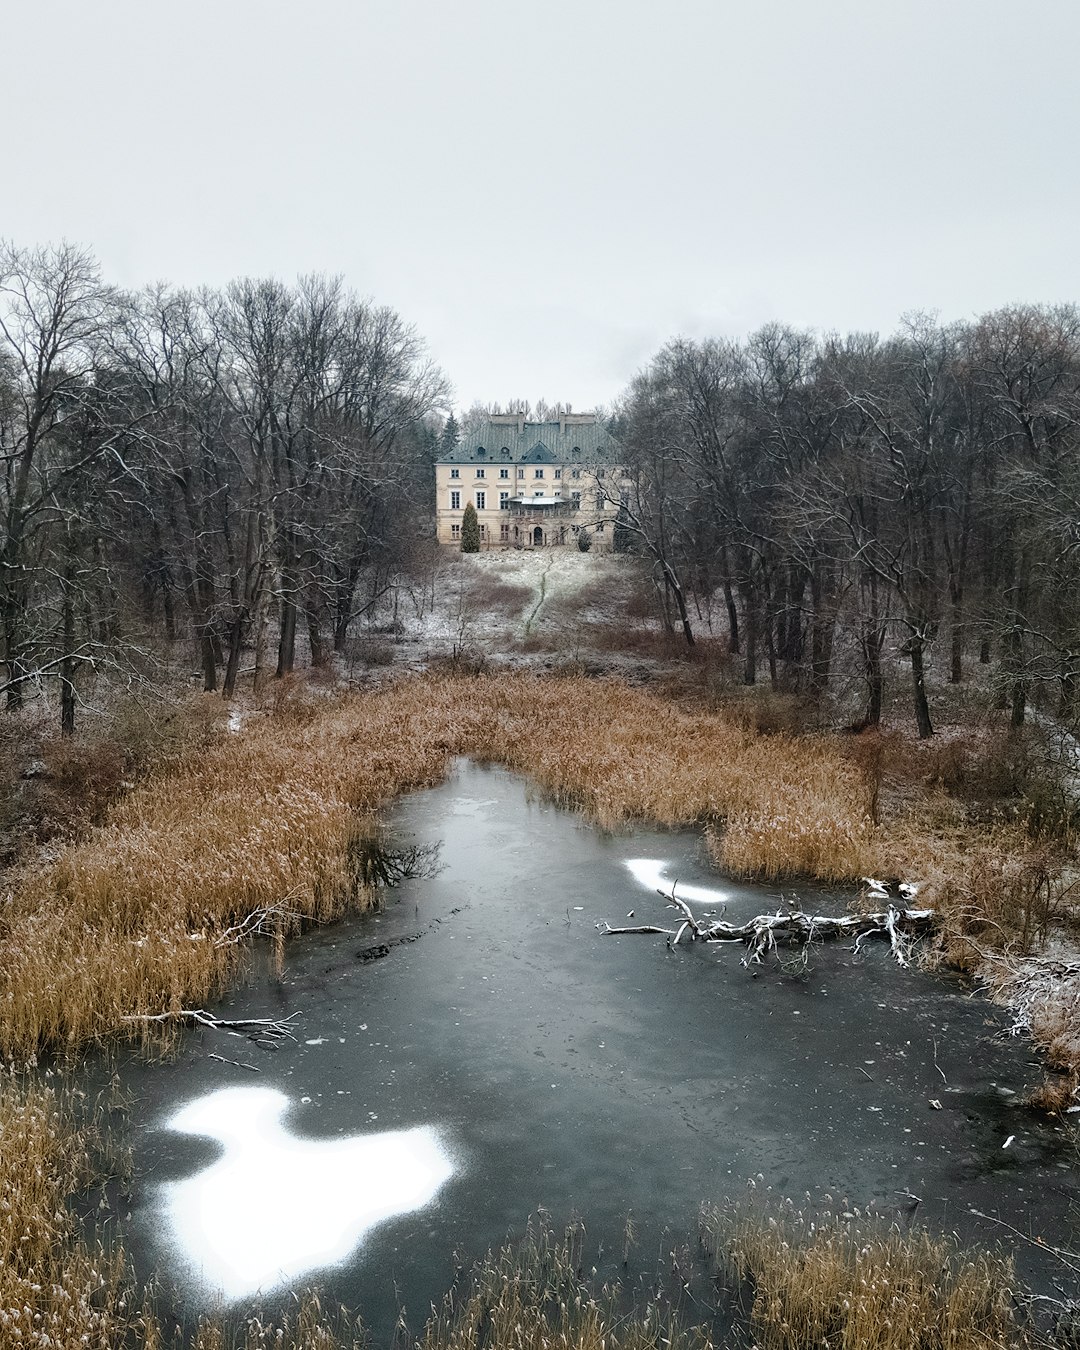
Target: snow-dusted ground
column 520, row 607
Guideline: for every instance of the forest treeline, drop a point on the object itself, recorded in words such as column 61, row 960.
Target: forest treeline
column 248, row 467
column 204, row 460
column 912, row 492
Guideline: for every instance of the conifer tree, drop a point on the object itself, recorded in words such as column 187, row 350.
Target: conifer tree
column 451, row 436
column 470, row 530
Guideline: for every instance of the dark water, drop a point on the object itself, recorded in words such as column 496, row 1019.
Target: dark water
column 595, row 1076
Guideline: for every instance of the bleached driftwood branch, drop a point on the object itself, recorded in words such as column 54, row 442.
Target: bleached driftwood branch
column 759, row 934
column 261, row 1030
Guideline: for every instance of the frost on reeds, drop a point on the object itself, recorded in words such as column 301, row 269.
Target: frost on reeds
column 532, row 1297
column 55, row 1288
column 851, row 1281
column 134, row 917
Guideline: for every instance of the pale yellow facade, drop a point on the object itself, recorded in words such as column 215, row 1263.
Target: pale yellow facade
column 533, row 484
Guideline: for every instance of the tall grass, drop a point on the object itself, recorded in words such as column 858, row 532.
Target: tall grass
column 852, row 1282
column 532, row 1297
column 56, row 1289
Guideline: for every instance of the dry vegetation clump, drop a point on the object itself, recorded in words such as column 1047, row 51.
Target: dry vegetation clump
column 532, row 1297
column 852, row 1282
column 52, row 787
column 489, row 592
column 55, row 1288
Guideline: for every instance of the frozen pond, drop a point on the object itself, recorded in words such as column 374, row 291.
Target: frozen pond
column 510, row 1058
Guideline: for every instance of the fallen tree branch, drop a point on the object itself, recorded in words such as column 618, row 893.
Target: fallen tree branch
column 236, row 1063
column 261, row 1030
column 760, row 933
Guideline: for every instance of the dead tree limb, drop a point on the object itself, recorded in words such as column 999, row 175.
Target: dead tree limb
column 261, row 1030
column 759, row 934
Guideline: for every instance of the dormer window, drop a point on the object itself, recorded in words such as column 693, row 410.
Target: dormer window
column 481, row 453
column 505, row 452
column 576, row 452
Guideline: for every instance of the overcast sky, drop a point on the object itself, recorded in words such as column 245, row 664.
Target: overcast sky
column 550, row 191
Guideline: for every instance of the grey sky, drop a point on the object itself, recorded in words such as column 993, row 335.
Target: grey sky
column 550, row 191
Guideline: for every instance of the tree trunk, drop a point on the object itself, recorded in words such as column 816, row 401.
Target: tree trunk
column 956, row 650
column 287, row 639
column 319, row 655
column 232, row 665
column 918, row 681
column 732, row 616
column 874, row 682
column 750, row 658
column 67, row 664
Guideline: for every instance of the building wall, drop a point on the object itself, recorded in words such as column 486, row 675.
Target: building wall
column 492, row 481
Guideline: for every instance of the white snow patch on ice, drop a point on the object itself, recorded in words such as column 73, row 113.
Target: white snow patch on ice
column 649, row 872
column 274, row 1207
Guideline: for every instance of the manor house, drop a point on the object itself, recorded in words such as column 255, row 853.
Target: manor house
column 534, row 484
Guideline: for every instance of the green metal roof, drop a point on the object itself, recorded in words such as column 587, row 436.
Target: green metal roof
column 539, row 442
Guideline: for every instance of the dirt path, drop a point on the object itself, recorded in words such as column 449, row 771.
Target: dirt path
column 540, row 599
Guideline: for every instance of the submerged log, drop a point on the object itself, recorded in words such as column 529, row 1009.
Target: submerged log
column 760, row 933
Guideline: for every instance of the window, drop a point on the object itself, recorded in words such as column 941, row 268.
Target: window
column 521, row 473
column 455, row 501
column 455, row 531
column 481, row 452
column 481, row 498
column 538, row 473
column 576, row 452
column 539, row 492
column 504, row 473
column 599, row 501
column 575, row 473
column 483, row 532
column 480, row 473
column 504, row 501
column 455, row 473
column 558, row 473
column 504, row 531
column 575, row 498
column 505, row 452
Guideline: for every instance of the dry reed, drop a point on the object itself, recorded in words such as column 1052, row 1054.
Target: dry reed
column 852, row 1282
column 532, row 1297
